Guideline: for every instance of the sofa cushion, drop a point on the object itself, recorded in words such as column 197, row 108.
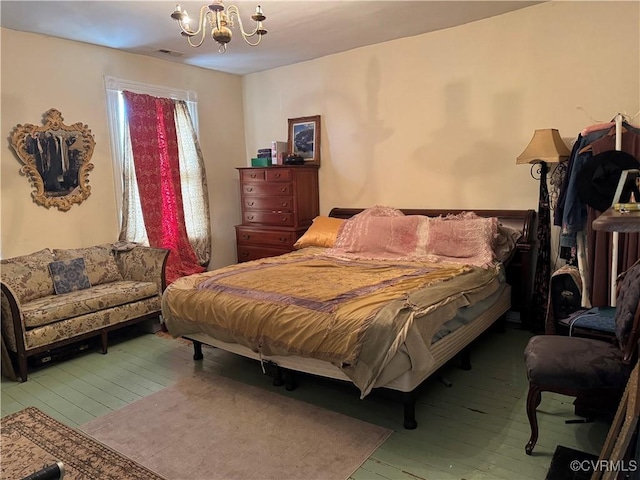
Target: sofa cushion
column 69, row 275
column 28, row 275
column 93, row 321
column 47, row 310
column 99, row 260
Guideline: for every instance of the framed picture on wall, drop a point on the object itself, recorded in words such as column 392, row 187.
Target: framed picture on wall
column 304, row 138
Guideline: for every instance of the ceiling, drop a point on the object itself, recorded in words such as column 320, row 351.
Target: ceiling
column 298, row 30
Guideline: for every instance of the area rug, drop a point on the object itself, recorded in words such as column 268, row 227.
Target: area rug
column 570, row 464
column 211, row 427
column 32, row 440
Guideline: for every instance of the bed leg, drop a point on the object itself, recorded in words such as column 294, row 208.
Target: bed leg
column 500, row 325
column 197, row 350
column 277, row 377
column 289, row 380
column 465, row 358
column 409, row 406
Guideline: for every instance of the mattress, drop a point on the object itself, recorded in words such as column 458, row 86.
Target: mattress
column 399, row 373
column 358, row 317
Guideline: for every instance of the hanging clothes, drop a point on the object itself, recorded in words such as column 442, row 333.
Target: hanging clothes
column 599, row 248
column 596, row 126
column 630, row 142
column 543, row 266
column 597, row 181
column 572, row 212
column 575, row 216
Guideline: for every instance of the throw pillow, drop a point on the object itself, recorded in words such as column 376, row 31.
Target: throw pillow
column 99, row 260
column 28, row 275
column 322, row 233
column 506, row 241
column 379, row 211
column 466, row 238
column 383, row 237
column 69, row 275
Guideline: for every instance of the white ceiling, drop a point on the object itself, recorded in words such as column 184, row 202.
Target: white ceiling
column 298, row 30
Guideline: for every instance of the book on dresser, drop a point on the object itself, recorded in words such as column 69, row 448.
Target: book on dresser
column 279, row 204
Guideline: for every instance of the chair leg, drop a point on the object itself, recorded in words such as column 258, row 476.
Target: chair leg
column 533, row 400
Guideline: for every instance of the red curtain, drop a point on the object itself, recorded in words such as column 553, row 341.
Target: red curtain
column 154, row 144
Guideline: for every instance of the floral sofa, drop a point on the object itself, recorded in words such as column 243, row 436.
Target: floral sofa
column 51, row 298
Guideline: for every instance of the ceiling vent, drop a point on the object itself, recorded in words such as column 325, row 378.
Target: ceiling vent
column 171, row 53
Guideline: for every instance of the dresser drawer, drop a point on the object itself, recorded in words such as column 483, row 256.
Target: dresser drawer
column 256, row 236
column 268, row 203
column 248, row 252
column 253, row 175
column 267, row 189
column 284, row 219
column 278, row 175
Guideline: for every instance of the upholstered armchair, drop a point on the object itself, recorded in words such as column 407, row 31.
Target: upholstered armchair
column 575, row 365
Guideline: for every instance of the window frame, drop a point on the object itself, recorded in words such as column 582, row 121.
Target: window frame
column 114, row 87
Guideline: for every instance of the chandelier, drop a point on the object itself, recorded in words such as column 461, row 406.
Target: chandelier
column 221, row 21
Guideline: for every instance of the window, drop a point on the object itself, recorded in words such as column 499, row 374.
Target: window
column 192, row 177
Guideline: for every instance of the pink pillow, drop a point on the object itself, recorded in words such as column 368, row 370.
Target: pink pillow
column 379, row 211
column 397, row 236
column 466, row 238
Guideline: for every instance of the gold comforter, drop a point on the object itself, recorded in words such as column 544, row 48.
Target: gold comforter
column 354, row 314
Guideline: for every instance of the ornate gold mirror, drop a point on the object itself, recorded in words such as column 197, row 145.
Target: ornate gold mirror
column 55, row 158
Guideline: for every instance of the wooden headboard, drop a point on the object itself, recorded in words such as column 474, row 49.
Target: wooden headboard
column 522, row 267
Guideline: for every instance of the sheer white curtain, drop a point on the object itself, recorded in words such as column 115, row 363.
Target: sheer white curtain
column 132, row 229
column 193, row 180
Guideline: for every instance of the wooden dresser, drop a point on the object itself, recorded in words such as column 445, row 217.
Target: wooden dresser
column 278, row 205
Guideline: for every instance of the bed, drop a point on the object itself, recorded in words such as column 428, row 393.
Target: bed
column 362, row 307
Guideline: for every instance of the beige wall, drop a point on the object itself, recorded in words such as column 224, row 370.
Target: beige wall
column 437, row 120
column 39, row 73
column 429, row 121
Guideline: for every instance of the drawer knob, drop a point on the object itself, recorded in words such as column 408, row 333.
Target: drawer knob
column 284, row 219
column 250, row 217
column 253, row 175
column 277, row 175
column 284, row 204
column 283, row 189
column 249, row 189
column 250, row 204
column 282, row 240
column 246, row 237
column 245, row 254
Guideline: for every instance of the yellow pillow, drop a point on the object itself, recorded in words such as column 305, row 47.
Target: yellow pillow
column 321, row 233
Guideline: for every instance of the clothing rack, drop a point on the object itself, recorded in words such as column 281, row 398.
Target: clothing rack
column 614, row 250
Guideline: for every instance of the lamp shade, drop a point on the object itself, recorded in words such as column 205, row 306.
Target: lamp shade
column 545, row 146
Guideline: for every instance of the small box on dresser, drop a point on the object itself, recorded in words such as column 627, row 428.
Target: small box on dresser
column 279, row 203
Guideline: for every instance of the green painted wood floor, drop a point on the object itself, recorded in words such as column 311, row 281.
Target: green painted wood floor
column 475, row 429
